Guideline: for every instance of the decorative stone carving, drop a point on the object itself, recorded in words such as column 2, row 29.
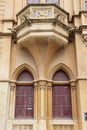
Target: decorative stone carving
column 22, row 127
column 63, row 127
column 84, row 38
column 12, row 86
column 42, row 12
column 61, row 17
column 49, row 85
column 42, row 84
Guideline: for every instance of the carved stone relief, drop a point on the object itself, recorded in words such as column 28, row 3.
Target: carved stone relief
column 44, row 12
column 63, row 127
column 61, row 17
column 22, row 127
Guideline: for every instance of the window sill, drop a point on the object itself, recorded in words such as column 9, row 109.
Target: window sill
column 23, row 121
column 63, row 121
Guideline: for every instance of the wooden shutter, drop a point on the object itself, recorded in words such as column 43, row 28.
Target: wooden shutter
column 24, row 97
column 24, row 102
column 29, row 101
column 20, row 102
column 61, row 96
column 61, row 101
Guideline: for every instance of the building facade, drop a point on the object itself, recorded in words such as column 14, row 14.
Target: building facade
column 43, row 59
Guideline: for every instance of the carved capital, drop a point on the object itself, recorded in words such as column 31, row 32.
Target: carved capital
column 36, row 84
column 49, row 85
column 73, row 84
column 42, row 84
column 12, row 86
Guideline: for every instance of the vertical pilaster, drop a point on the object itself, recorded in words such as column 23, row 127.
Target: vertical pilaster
column 42, row 120
column 12, row 101
column 74, row 105
column 49, row 100
column 74, row 100
column 49, row 105
column 42, row 85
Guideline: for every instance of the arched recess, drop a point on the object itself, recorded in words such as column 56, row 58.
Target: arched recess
column 21, row 68
column 24, row 75
column 63, row 67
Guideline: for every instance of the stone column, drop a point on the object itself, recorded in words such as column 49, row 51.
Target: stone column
column 12, row 101
column 42, row 99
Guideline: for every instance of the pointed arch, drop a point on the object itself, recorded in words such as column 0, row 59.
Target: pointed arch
column 62, row 67
column 21, row 68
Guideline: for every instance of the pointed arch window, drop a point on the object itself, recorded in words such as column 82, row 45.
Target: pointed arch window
column 24, row 104
column 61, row 96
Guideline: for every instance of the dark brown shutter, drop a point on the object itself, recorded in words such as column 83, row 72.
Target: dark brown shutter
column 29, row 102
column 24, row 102
column 61, row 101
column 24, row 97
column 20, row 102
column 61, row 97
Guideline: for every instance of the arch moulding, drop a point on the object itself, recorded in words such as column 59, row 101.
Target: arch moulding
column 63, row 67
column 22, row 67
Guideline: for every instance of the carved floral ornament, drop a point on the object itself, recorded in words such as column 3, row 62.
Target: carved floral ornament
column 22, row 127
column 84, row 38
column 63, row 127
column 42, row 13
